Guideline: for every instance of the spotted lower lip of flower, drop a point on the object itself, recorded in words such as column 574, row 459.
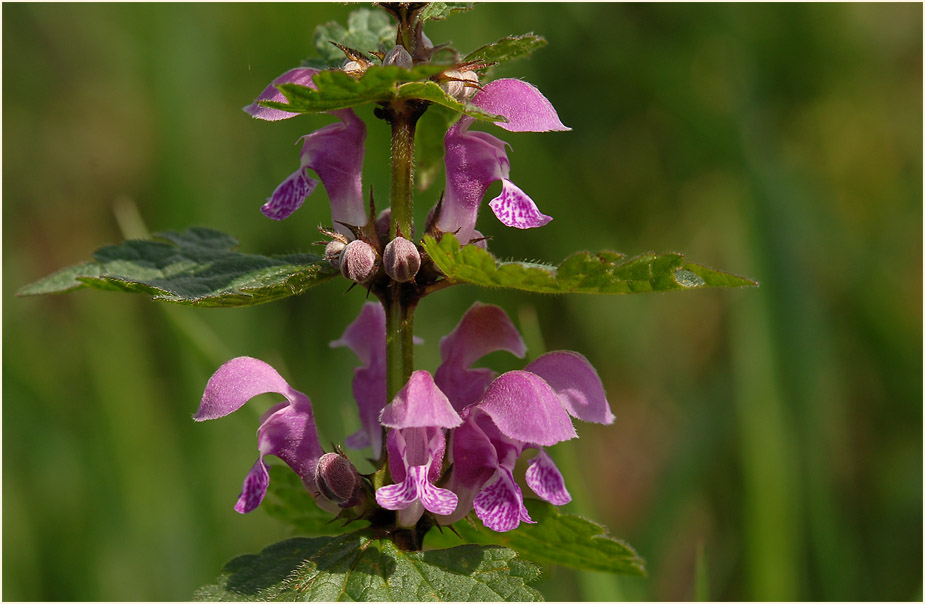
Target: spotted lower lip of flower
column 474, row 160
column 518, row 410
column 287, row 430
column 417, row 416
column 521, row 410
column 335, row 152
column 482, row 330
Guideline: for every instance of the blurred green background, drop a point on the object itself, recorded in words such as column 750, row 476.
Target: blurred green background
column 768, row 441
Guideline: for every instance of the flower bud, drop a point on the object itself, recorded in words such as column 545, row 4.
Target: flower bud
column 398, row 56
column 355, row 68
column 401, row 260
column 333, row 251
column 338, row 480
column 359, row 261
column 461, row 91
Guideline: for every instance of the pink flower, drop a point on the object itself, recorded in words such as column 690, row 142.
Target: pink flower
column 474, row 160
column 335, row 153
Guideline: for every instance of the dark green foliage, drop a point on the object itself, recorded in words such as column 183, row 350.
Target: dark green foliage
column 196, row 267
column 360, row 567
column 556, row 538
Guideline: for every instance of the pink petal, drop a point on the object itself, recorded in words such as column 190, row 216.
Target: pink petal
column 526, row 409
column 254, row 488
column 299, row 75
column 401, row 495
column 500, row 505
column 335, row 153
column 291, row 435
column 524, row 106
column 366, row 338
column 576, row 383
column 544, row 479
column 434, row 499
column 420, row 404
column 289, row 195
column 473, row 161
column 415, row 447
column 366, row 335
column 474, row 462
column 482, row 330
column 238, row 381
column 514, row 208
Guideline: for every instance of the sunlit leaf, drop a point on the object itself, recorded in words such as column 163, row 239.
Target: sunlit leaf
column 581, row 273
column 506, row 49
column 435, row 11
column 339, row 90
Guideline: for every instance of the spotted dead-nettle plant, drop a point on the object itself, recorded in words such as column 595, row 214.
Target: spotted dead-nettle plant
column 448, row 489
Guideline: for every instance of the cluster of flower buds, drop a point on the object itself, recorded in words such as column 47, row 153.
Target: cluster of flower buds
column 361, row 261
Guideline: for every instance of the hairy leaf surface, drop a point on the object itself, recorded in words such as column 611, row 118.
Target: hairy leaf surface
column 506, row 49
column 581, row 273
column 556, row 538
column 196, row 267
column 360, row 567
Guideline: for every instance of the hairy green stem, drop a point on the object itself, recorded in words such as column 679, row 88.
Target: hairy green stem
column 403, row 120
column 399, row 335
column 399, row 300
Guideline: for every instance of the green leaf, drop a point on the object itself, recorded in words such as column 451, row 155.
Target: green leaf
column 367, row 30
column 436, row 11
column 196, row 267
column 359, row 567
column 506, row 49
column 431, row 91
column 339, row 90
column 558, row 538
column 288, row 501
column 581, row 273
